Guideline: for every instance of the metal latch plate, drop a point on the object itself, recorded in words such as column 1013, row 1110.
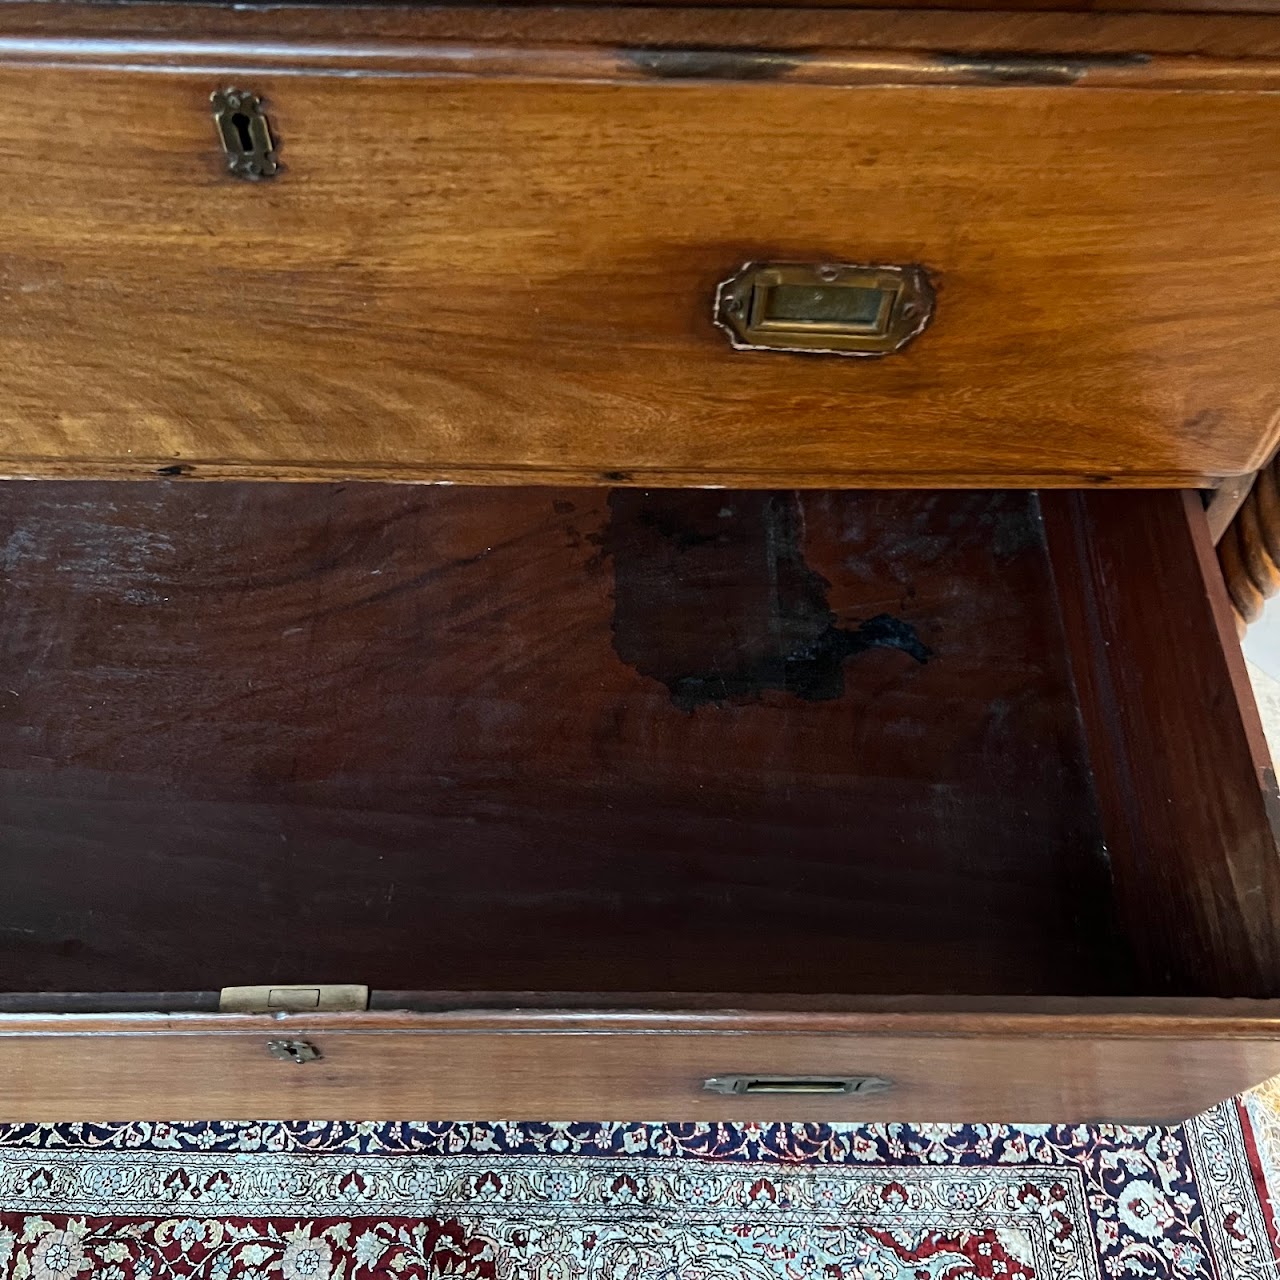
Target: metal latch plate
column 303, row 998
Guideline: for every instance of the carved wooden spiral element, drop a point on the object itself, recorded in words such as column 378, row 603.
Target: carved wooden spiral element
column 1249, row 551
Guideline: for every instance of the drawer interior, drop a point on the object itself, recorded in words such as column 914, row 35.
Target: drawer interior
column 500, row 740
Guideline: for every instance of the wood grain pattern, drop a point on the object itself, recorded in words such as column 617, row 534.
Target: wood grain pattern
column 321, row 710
column 1177, row 744
column 419, row 295
column 993, row 1067
column 613, row 739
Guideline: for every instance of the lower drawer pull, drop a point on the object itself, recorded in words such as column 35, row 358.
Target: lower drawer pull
column 796, row 1084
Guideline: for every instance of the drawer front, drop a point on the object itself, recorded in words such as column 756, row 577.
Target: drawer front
column 510, row 273
column 1051, row 1069
column 261, row 733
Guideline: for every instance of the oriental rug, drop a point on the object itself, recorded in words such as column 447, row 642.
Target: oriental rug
column 597, row 1201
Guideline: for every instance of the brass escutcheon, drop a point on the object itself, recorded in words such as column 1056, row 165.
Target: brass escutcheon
column 245, row 134
column 296, row 1051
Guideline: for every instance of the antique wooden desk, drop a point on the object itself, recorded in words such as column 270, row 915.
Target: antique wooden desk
column 797, row 683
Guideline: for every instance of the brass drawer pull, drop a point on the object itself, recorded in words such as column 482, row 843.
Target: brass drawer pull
column 245, row 133
column 824, row 309
column 796, row 1084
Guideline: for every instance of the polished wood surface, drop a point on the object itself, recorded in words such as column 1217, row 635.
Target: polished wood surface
column 70, row 34
column 1057, row 1068
column 419, row 293
column 589, row 62
column 591, row 737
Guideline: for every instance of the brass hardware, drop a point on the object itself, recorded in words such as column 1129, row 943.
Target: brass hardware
column 245, row 134
column 316, row 998
column 797, row 1084
column 824, row 309
column 297, row 1051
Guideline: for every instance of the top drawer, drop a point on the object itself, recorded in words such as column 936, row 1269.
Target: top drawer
column 486, row 260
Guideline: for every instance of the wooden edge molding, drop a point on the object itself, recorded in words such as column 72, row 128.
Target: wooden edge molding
column 981, row 38
column 1114, row 1019
column 568, row 63
column 47, row 468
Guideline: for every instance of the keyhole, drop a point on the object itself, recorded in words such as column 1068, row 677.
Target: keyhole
column 240, row 122
column 244, row 134
column 296, row 1051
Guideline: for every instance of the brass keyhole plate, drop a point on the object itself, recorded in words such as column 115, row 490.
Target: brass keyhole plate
column 245, row 134
column 296, row 1051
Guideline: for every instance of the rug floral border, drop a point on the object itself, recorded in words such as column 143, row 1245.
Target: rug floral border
column 331, row 1200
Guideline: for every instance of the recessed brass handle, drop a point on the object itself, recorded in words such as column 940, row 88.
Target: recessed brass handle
column 797, row 1084
column 824, row 308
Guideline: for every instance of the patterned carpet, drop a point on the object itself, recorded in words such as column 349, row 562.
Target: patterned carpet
column 345, row 1201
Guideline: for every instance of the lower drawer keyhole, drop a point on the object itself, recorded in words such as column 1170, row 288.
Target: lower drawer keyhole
column 299, row 1051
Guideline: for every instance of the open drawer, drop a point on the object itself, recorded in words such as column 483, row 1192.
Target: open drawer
column 627, row 804
column 496, row 246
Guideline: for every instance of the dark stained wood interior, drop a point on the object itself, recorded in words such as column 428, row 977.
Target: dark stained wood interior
column 533, row 739
column 1181, row 767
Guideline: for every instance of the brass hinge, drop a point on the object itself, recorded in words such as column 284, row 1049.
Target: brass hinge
column 315, row 998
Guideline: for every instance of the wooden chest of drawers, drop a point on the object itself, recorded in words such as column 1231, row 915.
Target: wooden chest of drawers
column 825, row 790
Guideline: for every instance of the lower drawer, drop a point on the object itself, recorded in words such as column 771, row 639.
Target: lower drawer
column 1038, row 1061
column 627, row 803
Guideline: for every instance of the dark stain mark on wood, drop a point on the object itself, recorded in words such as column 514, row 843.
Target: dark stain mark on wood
column 713, row 64
column 1034, row 68
column 175, row 469
column 714, row 599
